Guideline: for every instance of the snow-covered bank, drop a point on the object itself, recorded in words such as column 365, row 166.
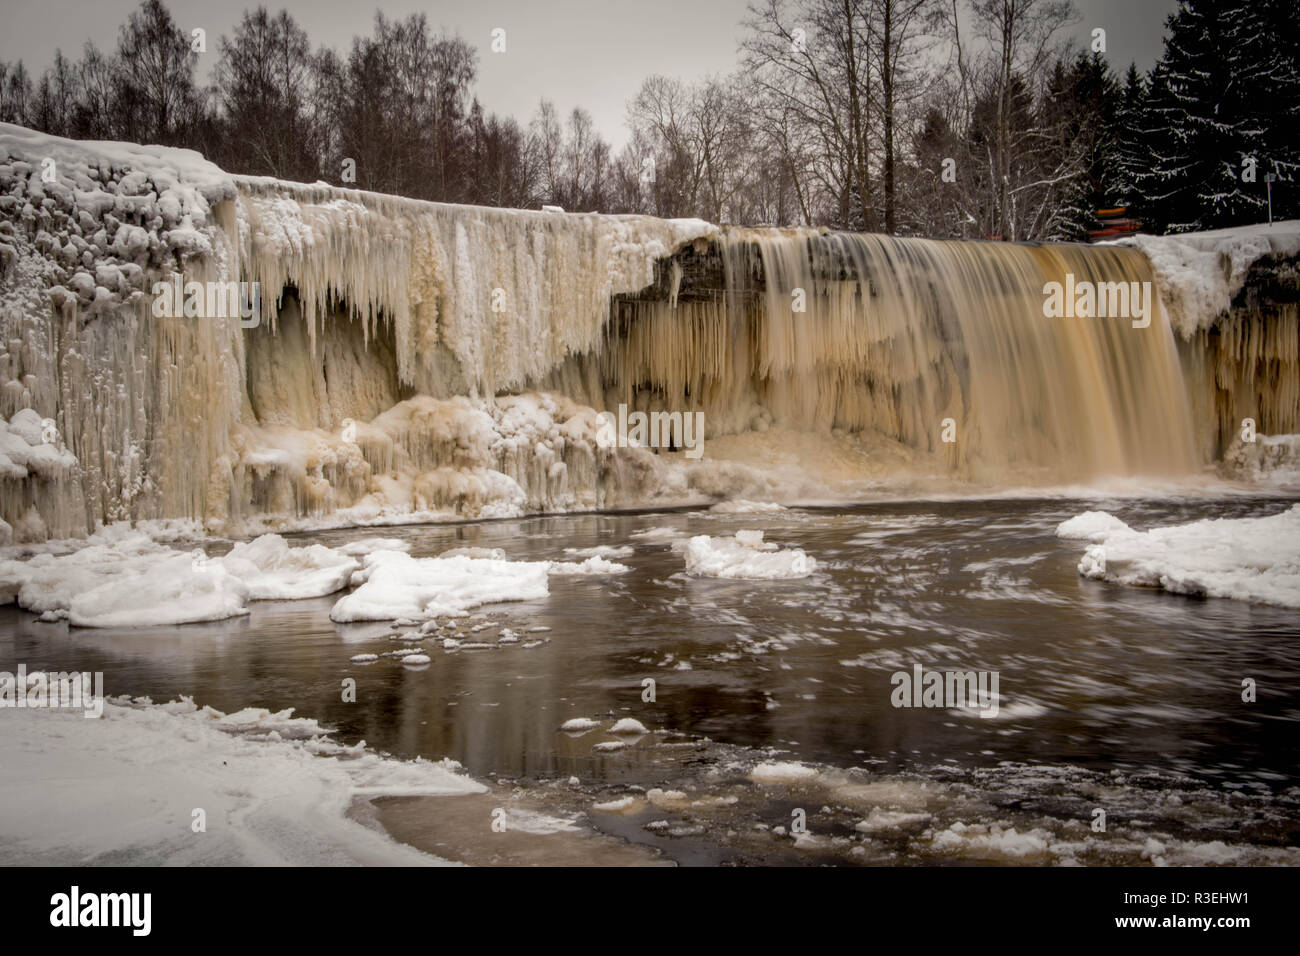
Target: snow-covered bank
column 1248, row 559
column 1199, row 273
column 128, row 789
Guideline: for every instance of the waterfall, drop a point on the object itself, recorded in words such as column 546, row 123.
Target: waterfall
column 413, row 360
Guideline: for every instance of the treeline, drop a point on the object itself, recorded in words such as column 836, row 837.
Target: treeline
column 930, row 117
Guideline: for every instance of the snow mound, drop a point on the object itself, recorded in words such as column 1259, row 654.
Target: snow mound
column 1247, row 559
column 745, row 555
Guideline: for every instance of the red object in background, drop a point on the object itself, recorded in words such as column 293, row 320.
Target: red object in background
column 1114, row 223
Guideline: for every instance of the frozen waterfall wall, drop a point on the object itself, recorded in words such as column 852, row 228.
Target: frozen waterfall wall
column 411, row 359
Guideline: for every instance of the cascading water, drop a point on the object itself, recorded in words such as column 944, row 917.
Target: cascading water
column 891, row 336
column 413, row 359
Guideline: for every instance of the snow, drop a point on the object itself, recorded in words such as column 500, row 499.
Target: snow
column 1246, row 559
column 469, row 352
column 1198, row 273
column 743, row 507
column 1090, row 526
column 274, row 571
column 778, row 771
column 398, row 585
column 275, row 791
column 630, row 726
column 365, row 545
column 745, row 555
column 602, row 551
column 590, row 566
column 124, row 578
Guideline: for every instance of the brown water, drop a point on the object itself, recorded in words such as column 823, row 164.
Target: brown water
column 1123, row 699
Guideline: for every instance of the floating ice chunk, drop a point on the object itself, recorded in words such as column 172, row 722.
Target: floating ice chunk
column 416, row 659
column 367, row 545
column 1248, row 559
column 169, row 591
column 1090, row 526
column 745, row 556
column 629, row 725
column 774, row 771
column 880, row 819
column 610, row 745
column 579, row 723
column 273, row 571
column 363, row 658
column 616, row 806
column 602, row 551
column 593, row 565
column 398, row 585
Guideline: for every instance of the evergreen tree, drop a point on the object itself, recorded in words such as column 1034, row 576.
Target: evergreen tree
column 1211, row 120
column 1132, row 160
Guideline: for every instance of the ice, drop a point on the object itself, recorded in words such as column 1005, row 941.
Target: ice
column 124, row 578
column 274, row 571
column 398, row 585
column 745, row 555
column 1247, row 559
column 418, row 361
column 1090, row 526
column 365, row 545
column 742, row 507
column 629, row 725
column 575, row 724
column 777, row 771
column 590, row 566
column 273, row 790
column 602, row 551
column 616, row 806
column 1199, row 273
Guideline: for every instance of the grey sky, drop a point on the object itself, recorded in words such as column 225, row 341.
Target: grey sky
column 589, row 53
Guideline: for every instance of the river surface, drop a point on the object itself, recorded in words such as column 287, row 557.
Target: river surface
column 773, row 738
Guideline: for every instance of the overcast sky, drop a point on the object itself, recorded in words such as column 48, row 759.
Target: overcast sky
column 589, row 53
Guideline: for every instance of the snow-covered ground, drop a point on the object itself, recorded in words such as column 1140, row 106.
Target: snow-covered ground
column 177, row 785
column 1249, row 559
